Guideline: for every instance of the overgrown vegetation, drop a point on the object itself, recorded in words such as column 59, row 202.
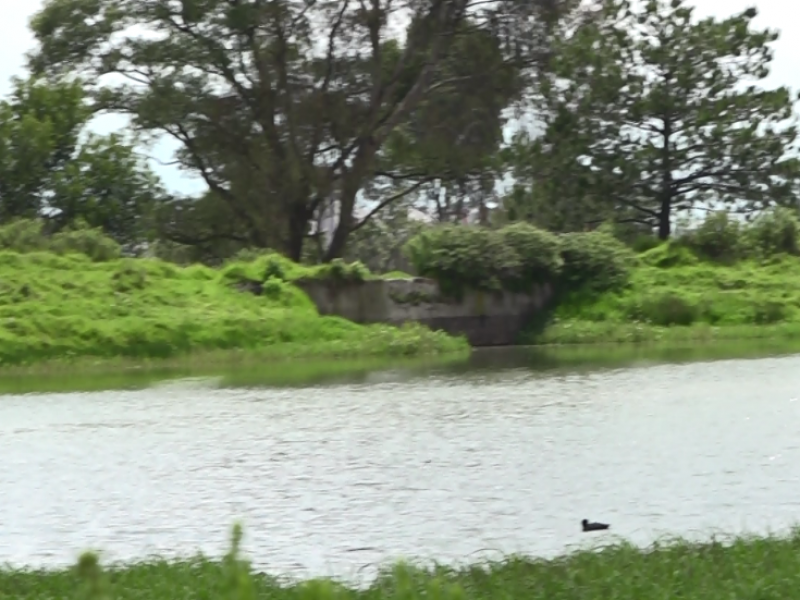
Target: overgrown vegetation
column 518, row 256
column 71, row 295
column 767, row 568
column 719, row 280
column 628, row 96
column 724, row 278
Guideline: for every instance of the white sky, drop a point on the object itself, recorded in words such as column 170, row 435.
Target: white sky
column 783, row 15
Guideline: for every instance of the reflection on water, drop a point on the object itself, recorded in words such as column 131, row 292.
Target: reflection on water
column 491, row 361
column 439, row 465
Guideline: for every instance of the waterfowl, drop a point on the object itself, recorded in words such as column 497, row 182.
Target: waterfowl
column 587, row 526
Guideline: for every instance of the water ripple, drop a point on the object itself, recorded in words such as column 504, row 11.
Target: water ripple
column 329, row 479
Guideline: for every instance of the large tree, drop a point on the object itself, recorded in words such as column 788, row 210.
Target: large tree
column 50, row 166
column 303, row 94
column 651, row 111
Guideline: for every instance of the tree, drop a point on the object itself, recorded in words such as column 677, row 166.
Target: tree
column 304, row 95
column 49, row 166
column 651, row 112
column 379, row 242
column 39, row 130
column 108, row 186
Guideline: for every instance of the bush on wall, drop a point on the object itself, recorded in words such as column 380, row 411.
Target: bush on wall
column 517, row 257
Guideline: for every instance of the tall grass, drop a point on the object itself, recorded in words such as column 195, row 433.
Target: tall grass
column 723, row 280
column 687, row 300
column 743, row 568
column 71, row 306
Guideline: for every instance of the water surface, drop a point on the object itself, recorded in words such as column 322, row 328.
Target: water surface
column 450, row 463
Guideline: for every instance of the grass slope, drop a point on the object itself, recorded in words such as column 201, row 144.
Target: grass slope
column 674, row 296
column 752, row 568
column 57, row 307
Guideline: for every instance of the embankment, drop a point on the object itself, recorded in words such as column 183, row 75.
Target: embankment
column 670, row 295
column 520, row 284
column 673, row 295
column 68, row 307
column 767, row 568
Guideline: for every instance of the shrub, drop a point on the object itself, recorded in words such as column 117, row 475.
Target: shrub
column 23, row 235
column 665, row 309
column 517, row 256
column 338, row 271
column 282, row 293
column 238, row 273
column 594, row 262
column 460, row 257
column 774, row 232
column 717, row 238
column 538, row 251
column 250, row 254
column 671, row 254
column 645, row 243
column 28, row 235
column 86, row 240
column 768, row 312
column 275, row 266
column 129, row 276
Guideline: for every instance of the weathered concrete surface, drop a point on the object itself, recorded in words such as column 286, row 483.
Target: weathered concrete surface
column 485, row 318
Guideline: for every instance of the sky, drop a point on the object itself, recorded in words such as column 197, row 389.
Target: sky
column 783, row 15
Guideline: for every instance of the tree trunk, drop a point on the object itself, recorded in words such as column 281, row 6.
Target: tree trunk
column 664, row 213
column 664, row 223
column 298, row 224
column 343, row 228
column 351, row 184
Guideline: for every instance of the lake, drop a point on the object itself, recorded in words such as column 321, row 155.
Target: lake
column 506, row 452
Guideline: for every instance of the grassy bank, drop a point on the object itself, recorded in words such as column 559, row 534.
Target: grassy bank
column 723, row 279
column 675, row 296
column 61, row 308
column 745, row 568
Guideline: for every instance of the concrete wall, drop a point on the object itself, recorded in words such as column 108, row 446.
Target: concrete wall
column 486, row 318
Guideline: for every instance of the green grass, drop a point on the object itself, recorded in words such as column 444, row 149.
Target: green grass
column 745, row 568
column 67, row 308
column 673, row 296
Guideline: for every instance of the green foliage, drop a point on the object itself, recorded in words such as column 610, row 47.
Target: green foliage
column 670, row 254
column 460, row 257
column 129, row 276
column 647, row 93
column 63, row 307
column 81, row 238
column 378, row 243
column 39, row 129
column 672, row 298
column 594, row 261
column 109, row 187
column 719, row 569
column 338, row 271
column 23, row 235
column 28, row 235
column 774, row 232
column 46, row 162
column 518, row 256
column 539, row 252
column 643, row 243
column 664, row 309
column 442, row 85
column 719, row 237
column 723, row 239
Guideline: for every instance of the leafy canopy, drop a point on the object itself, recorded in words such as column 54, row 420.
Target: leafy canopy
column 50, row 166
column 651, row 111
column 286, row 107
